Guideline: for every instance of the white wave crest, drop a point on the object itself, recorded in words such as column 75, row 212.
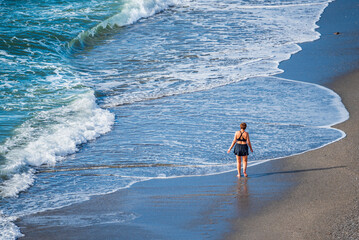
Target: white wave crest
column 132, row 11
column 17, row 183
column 49, row 137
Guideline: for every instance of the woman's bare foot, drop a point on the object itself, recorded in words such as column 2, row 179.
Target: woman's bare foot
column 238, row 176
column 245, row 174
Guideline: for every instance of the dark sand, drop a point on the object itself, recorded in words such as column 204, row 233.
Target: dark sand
column 332, row 55
column 309, row 196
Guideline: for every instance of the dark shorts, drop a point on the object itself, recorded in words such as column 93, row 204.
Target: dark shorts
column 241, row 149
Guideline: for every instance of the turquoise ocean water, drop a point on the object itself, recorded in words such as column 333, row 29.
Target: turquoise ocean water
column 98, row 95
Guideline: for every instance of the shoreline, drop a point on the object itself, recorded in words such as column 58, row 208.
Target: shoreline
column 276, row 190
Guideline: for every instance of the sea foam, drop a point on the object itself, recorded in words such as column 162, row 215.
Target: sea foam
column 197, row 60
column 8, row 229
column 48, row 137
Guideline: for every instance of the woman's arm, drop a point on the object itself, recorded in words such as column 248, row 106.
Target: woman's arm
column 249, row 143
column 234, row 142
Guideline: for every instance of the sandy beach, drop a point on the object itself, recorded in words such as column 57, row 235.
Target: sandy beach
column 308, row 196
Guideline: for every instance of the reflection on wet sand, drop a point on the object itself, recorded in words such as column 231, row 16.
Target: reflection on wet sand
column 243, row 200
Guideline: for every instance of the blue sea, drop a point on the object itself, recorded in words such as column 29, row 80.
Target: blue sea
column 98, row 95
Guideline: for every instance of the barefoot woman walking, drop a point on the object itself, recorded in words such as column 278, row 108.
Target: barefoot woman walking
column 241, row 142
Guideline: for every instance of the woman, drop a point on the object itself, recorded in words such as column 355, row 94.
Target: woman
column 241, row 139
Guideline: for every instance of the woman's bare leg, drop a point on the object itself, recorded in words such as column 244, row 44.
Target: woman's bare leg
column 238, row 165
column 245, row 158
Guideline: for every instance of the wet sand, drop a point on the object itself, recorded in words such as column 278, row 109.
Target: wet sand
column 179, row 208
